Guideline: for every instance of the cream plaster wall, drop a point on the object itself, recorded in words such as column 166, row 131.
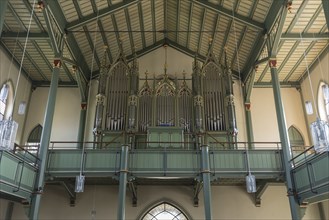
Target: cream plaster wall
column 66, row 116
column 228, row 202
column 264, row 117
column 10, row 71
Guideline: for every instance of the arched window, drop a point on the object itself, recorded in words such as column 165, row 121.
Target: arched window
column 296, row 140
column 33, row 142
column 164, row 211
column 323, row 101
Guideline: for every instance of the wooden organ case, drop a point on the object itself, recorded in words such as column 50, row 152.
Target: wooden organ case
column 164, row 112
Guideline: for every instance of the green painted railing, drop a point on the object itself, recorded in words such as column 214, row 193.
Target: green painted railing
column 17, row 174
column 164, row 162
column 311, row 176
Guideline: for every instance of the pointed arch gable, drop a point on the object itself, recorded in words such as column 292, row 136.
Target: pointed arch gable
column 164, row 210
column 35, row 135
column 295, row 136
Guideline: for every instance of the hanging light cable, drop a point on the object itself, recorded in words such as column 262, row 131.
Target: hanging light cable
column 319, row 128
column 250, row 179
column 8, row 128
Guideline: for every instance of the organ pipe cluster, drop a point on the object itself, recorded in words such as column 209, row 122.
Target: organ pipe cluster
column 165, row 101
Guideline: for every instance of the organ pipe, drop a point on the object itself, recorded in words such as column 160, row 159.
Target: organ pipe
column 100, row 97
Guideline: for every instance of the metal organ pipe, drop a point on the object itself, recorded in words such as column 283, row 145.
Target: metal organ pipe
column 230, row 105
column 100, row 97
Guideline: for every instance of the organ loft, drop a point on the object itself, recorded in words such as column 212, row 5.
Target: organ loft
column 165, row 111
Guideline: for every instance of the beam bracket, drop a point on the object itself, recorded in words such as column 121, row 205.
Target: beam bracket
column 133, row 189
column 197, row 187
column 70, row 190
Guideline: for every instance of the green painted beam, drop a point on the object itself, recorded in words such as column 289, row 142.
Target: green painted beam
column 297, row 16
column 131, row 39
column 153, row 21
column 22, row 36
column 101, row 29
column 314, row 63
column 73, row 47
column 213, row 35
column 325, row 5
column 3, row 9
column 178, row 9
column 189, row 25
column 201, row 29
column 35, row 65
column 282, row 85
column 117, row 36
column 141, row 23
column 100, row 14
column 305, row 36
column 261, row 39
column 228, row 13
column 300, row 60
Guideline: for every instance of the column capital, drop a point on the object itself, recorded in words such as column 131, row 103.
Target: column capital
column 57, row 63
column 272, row 62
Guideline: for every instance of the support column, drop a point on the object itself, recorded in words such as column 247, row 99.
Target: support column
column 45, row 139
column 123, row 182
column 82, row 124
column 286, row 151
column 247, row 104
column 250, row 134
column 205, row 170
column 3, row 9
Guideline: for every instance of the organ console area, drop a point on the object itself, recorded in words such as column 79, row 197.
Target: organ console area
column 164, row 111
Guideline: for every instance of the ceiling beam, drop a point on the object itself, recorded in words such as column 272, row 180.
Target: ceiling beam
column 305, row 36
column 118, row 37
column 23, row 35
column 32, row 61
column 325, row 5
column 228, row 13
column 141, row 23
column 213, row 35
column 262, row 75
column 73, row 47
column 282, row 85
column 297, row 16
column 314, row 63
column 139, row 53
column 153, row 20
column 272, row 15
column 300, row 60
column 3, row 9
column 201, row 29
column 131, row 39
column 106, row 43
column 35, row 17
column 178, row 9
column 100, row 14
column 60, row 84
column 261, row 39
column 189, row 25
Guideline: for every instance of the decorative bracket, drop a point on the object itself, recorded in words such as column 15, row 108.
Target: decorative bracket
column 133, row 189
column 70, row 190
column 197, row 188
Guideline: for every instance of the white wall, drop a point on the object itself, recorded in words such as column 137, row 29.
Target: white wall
column 228, row 202
column 10, row 72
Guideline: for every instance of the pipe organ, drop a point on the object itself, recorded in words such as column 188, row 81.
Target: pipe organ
column 166, row 103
